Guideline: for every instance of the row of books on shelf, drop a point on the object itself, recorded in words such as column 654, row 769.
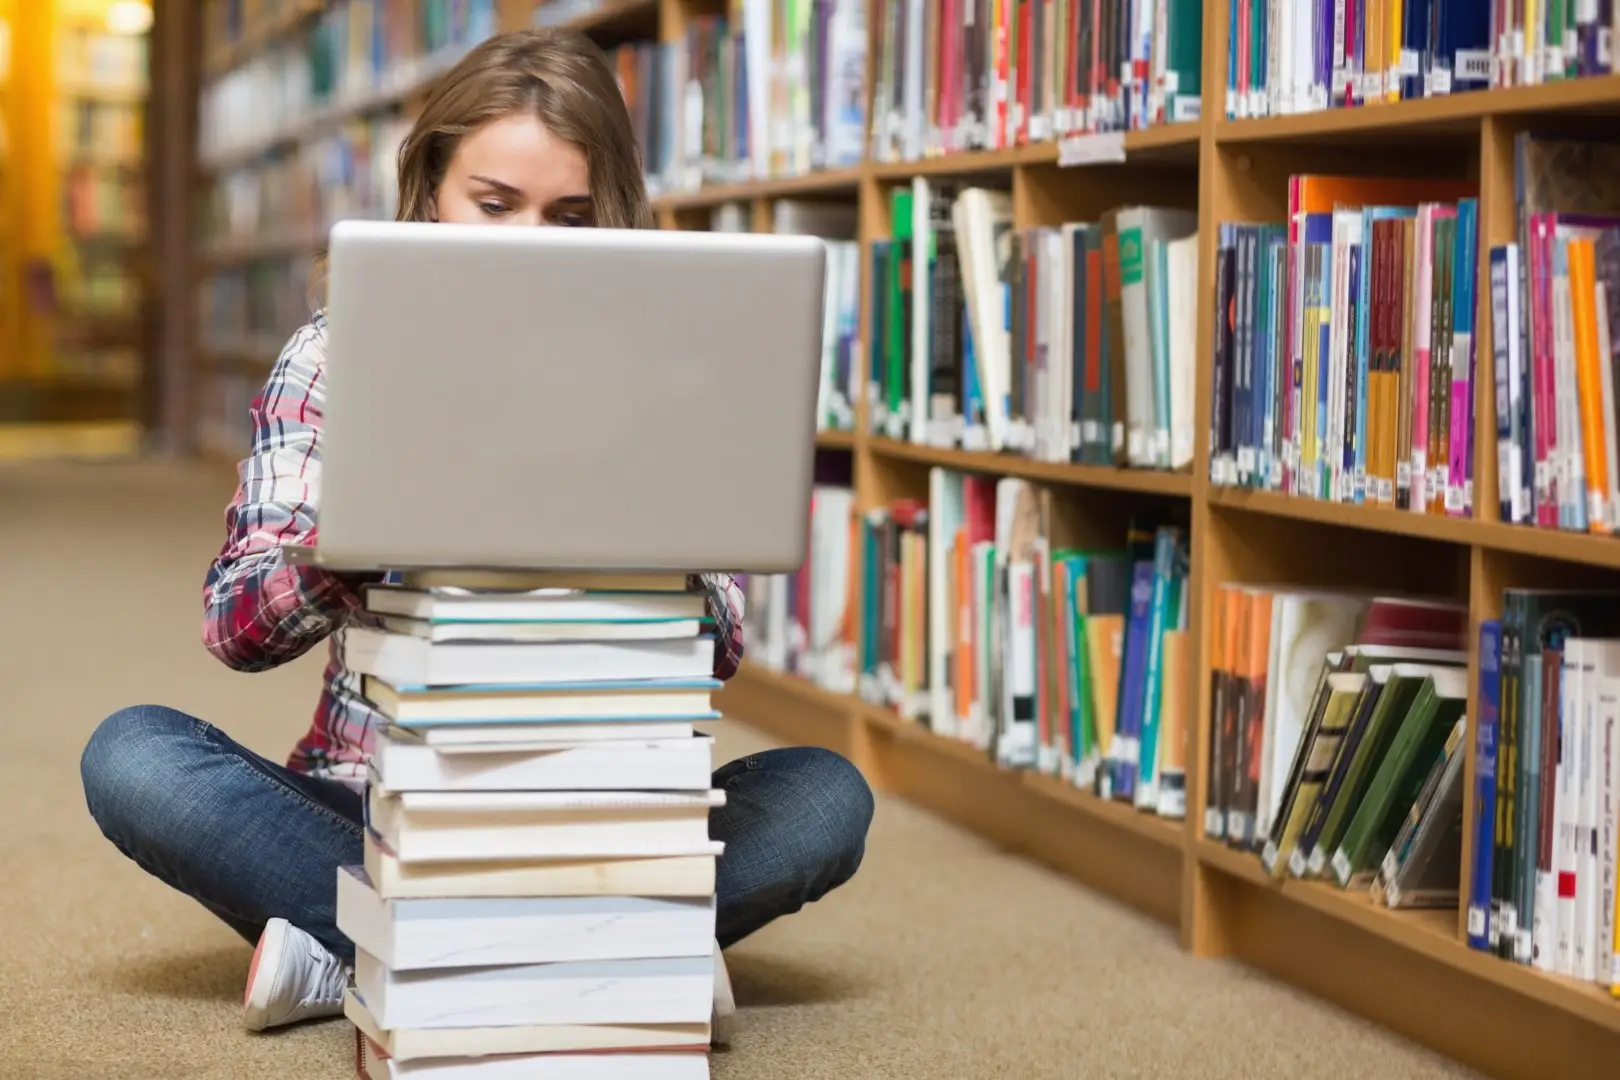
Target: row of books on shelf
column 769, row 89
column 348, row 171
column 1072, row 342
column 986, row 74
column 1339, row 733
column 1344, row 348
column 1330, row 710
column 102, row 202
column 1297, row 56
column 352, row 52
column 1346, row 354
column 537, row 889
column 88, row 59
column 983, row 618
column 106, row 131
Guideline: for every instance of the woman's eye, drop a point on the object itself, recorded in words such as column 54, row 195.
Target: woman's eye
column 492, row 208
column 573, row 221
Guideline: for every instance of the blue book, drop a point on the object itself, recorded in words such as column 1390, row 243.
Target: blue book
column 1133, row 684
column 1483, row 913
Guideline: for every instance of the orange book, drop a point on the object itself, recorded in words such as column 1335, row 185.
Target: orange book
column 1104, row 636
column 1252, row 663
column 1589, row 381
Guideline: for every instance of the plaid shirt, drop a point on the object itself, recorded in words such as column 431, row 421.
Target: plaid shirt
column 260, row 611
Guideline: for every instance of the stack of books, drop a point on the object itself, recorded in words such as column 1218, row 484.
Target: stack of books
column 537, row 897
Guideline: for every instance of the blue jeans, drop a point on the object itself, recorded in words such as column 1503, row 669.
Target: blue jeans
column 251, row 840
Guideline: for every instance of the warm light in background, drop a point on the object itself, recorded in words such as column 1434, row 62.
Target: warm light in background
column 129, row 17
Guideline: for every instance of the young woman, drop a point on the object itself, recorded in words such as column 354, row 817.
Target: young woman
column 529, row 129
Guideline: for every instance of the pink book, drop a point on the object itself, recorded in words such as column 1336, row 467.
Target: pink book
column 1422, row 313
column 1543, row 378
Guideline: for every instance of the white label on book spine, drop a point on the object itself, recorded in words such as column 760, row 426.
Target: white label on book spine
column 1341, row 866
column 1317, row 860
column 1476, row 921
column 1297, row 865
column 1212, row 827
column 1095, row 149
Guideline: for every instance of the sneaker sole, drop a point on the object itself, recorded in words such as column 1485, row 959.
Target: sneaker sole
column 259, row 993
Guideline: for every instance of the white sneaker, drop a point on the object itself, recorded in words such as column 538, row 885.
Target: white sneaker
column 723, row 1023
column 293, row 977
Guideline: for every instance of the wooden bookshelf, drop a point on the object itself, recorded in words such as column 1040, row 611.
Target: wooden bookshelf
column 1411, row 972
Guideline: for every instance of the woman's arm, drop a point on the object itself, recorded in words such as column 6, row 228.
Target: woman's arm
column 725, row 600
column 259, row 611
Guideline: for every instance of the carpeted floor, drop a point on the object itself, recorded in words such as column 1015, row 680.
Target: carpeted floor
column 944, row 958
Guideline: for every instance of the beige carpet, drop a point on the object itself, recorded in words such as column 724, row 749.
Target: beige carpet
column 944, row 958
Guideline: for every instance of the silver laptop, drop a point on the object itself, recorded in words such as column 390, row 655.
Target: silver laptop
column 576, row 399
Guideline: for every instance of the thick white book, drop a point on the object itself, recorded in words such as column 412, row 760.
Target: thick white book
column 657, row 875
column 670, row 990
column 534, row 632
column 643, row 1065
column 465, row 826
column 401, row 658
column 661, row 765
column 414, row 1044
column 457, row 605
column 411, row 935
column 411, row 704
column 517, row 736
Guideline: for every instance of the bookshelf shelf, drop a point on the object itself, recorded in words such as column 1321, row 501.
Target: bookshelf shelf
column 1161, row 142
column 1164, row 832
column 614, row 17
column 1552, row 544
column 1148, row 481
column 1433, row 934
column 835, row 440
column 261, row 246
column 1453, row 113
column 824, row 182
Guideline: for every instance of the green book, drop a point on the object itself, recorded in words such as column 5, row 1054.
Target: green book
column 1360, row 754
column 1419, row 741
column 899, row 344
column 1344, row 692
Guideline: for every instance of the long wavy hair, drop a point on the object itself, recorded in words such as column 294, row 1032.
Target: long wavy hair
column 561, row 78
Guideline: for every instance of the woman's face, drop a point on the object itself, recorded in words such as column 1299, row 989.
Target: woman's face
column 512, row 171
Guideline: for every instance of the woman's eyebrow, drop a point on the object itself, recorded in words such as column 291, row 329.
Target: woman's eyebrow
column 575, row 200
column 499, row 185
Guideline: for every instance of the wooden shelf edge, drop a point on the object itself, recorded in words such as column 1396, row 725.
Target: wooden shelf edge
column 1564, row 546
column 835, row 440
column 1148, row 481
column 1431, row 934
column 1152, row 142
column 1427, row 113
column 820, row 182
column 1164, row 832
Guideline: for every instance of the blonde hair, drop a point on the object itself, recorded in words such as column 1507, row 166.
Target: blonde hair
column 558, row 76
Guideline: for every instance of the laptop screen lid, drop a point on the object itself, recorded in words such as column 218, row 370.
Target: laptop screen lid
column 579, row 399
